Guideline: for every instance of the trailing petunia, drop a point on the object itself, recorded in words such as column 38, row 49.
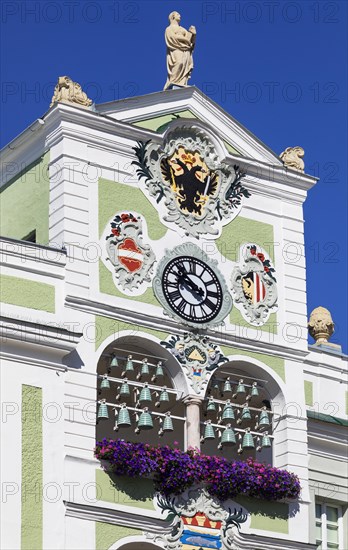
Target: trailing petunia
column 175, row 471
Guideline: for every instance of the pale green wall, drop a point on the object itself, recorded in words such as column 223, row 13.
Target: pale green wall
column 106, row 327
column 243, row 230
column 159, row 124
column 26, row 293
column 268, row 516
column 240, row 231
column 32, row 477
column 308, row 391
column 24, row 203
column 107, row 286
column 106, row 534
column 114, row 196
column 275, row 363
column 132, row 492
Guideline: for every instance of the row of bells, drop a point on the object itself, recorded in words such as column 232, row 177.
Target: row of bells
column 245, row 414
column 228, row 438
column 145, row 420
column 144, row 372
column 145, row 396
column 241, row 389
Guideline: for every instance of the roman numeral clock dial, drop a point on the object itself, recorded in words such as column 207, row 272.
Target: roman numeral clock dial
column 190, row 287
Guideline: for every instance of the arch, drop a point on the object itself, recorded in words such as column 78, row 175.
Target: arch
column 277, row 387
column 139, row 427
column 271, row 388
column 152, row 343
column 135, row 543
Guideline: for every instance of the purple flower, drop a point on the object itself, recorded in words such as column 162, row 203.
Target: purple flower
column 175, row 471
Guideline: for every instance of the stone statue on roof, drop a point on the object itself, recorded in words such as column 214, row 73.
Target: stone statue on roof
column 180, row 44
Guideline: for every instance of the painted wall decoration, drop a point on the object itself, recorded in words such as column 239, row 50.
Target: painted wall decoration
column 254, row 285
column 191, row 288
column 199, row 522
column 197, row 355
column 130, row 258
column 184, row 173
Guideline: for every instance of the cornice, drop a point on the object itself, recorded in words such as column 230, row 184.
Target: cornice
column 58, row 123
column 24, row 334
column 98, row 512
column 23, row 255
column 169, row 326
column 152, row 525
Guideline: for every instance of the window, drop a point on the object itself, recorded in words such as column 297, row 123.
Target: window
column 328, row 526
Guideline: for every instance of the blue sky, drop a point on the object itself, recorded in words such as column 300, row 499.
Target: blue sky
column 279, row 67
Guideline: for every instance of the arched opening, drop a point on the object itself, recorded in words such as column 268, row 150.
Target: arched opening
column 139, row 394
column 238, row 420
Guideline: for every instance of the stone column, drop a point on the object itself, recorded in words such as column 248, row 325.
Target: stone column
column 193, row 417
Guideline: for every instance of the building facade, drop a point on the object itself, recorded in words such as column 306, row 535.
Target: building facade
column 153, row 288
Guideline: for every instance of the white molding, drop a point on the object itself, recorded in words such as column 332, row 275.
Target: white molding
column 166, row 325
column 147, row 520
column 25, row 334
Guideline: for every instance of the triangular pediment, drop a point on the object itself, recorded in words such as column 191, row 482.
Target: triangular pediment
column 157, row 110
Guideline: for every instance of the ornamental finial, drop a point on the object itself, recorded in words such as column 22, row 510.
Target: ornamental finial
column 180, row 45
column 67, row 91
column 292, row 158
column 321, row 326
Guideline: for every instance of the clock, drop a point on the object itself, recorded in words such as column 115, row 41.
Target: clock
column 190, row 288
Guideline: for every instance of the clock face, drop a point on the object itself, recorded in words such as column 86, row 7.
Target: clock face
column 192, row 289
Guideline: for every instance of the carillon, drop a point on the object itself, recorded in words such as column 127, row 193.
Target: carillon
column 245, row 414
column 124, row 390
column 167, row 424
column 263, row 418
column 228, row 437
column 145, row 421
column 266, row 441
column 145, row 395
column 103, row 413
column 123, row 418
column 209, row 432
column 240, row 390
column 104, row 384
column 159, row 373
column 227, row 413
column 248, row 440
column 211, row 407
column 254, row 392
column 129, row 368
column 114, row 362
column 227, row 386
column 144, row 371
column 163, row 398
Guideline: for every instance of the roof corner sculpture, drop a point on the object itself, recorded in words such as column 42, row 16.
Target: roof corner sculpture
column 292, row 158
column 180, row 44
column 68, row 91
column 321, row 326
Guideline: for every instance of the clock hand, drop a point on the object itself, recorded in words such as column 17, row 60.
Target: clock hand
column 183, row 276
column 193, row 286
